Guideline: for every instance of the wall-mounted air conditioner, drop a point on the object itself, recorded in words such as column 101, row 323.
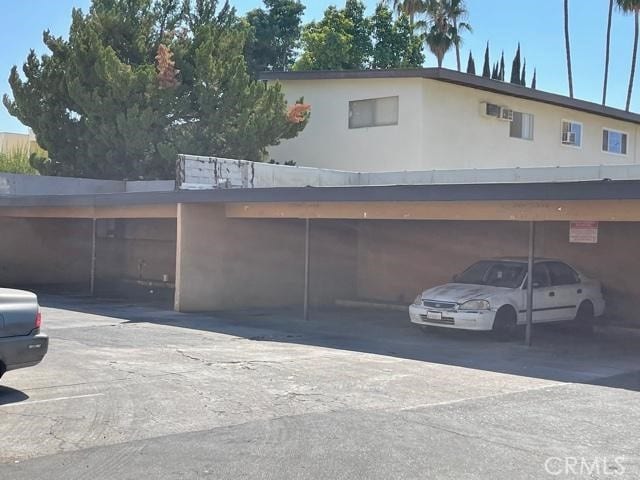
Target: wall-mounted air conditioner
column 506, row 114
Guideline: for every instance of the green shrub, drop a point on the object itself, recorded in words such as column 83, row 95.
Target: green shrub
column 16, row 161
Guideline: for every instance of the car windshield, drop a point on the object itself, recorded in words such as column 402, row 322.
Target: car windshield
column 494, row 273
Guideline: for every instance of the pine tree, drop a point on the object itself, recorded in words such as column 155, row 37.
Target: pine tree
column 533, row 80
column 523, row 78
column 495, row 74
column 121, row 102
column 515, row 67
column 471, row 65
column 501, row 71
column 274, row 35
column 486, row 69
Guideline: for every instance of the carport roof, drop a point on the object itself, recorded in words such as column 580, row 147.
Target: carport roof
column 596, row 190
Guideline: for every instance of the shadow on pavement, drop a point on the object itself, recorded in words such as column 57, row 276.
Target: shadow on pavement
column 11, row 395
column 558, row 353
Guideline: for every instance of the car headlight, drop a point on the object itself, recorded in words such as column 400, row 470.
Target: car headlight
column 418, row 300
column 475, row 305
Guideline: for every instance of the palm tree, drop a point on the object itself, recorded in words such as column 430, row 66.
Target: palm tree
column 440, row 33
column 632, row 6
column 457, row 11
column 410, row 8
column 567, row 46
column 606, row 55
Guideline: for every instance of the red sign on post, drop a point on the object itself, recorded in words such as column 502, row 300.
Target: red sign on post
column 583, row 232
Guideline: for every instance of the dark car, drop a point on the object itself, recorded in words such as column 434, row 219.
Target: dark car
column 21, row 343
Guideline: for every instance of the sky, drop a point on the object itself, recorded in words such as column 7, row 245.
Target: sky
column 537, row 25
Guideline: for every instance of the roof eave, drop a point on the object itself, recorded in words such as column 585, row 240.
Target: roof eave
column 464, row 80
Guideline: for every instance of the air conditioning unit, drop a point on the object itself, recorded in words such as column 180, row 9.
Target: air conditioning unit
column 569, row 138
column 490, row 110
column 506, row 114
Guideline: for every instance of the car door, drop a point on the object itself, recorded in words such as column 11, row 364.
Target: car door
column 543, row 294
column 565, row 283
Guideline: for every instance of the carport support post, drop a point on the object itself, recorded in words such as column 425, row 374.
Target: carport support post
column 532, row 239
column 306, row 270
column 93, row 256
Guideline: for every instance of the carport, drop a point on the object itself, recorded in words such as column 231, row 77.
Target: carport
column 404, row 233
column 311, row 246
column 79, row 247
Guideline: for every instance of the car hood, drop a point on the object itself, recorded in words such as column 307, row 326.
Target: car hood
column 461, row 292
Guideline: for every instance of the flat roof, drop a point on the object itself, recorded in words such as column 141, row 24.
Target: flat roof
column 595, row 190
column 463, row 79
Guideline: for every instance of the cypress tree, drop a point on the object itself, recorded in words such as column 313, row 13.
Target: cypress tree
column 495, row 75
column 523, row 78
column 486, row 69
column 501, row 71
column 533, row 81
column 515, row 67
column 471, row 65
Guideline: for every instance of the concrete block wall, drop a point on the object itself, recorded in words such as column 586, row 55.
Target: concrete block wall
column 203, row 172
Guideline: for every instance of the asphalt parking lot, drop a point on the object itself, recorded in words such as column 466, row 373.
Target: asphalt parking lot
column 135, row 391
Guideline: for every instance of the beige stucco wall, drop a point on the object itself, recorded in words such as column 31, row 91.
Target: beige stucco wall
column 456, row 135
column 328, row 142
column 440, row 127
column 233, row 263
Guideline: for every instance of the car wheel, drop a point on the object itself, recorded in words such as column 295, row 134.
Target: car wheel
column 505, row 325
column 585, row 319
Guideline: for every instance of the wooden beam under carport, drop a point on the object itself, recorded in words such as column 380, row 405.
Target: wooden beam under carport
column 132, row 211
column 529, row 210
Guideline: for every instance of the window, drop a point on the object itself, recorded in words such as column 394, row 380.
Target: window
column 571, row 133
column 375, row 112
column 540, row 275
column 562, row 274
column 497, row 274
column 614, row 142
column 521, row 126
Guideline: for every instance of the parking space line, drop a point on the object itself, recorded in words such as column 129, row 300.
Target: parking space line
column 32, row 402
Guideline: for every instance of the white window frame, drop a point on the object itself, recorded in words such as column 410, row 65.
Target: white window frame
column 373, row 99
column 579, row 147
column 615, row 131
column 533, row 126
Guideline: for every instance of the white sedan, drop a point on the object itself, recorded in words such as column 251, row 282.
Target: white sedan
column 492, row 295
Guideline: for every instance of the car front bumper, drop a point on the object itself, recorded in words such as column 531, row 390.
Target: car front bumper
column 21, row 352
column 464, row 320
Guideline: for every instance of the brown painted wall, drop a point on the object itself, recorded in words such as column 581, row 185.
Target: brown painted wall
column 36, row 252
column 397, row 259
column 132, row 250
column 235, row 263
column 614, row 260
